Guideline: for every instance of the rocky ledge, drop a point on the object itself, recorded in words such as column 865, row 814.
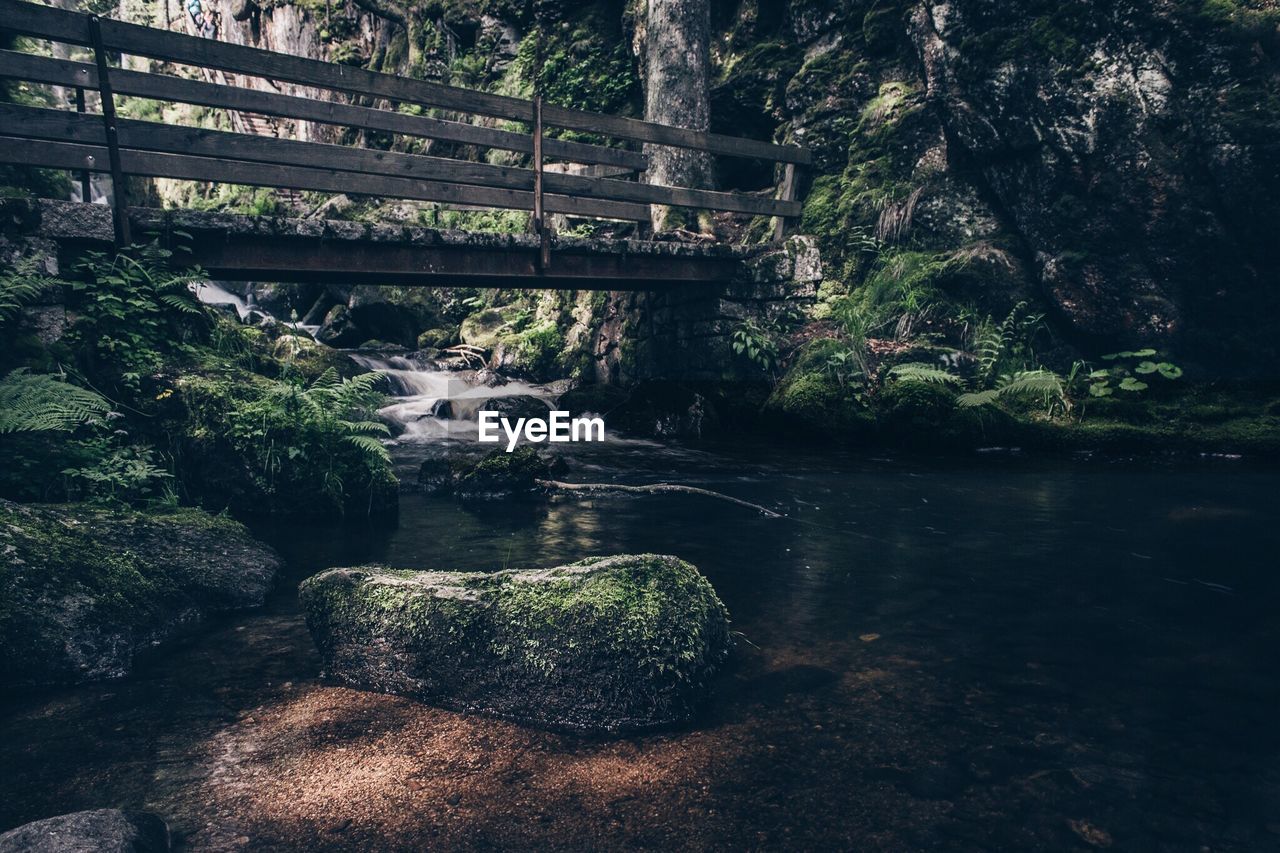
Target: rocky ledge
column 605, row 645
column 83, row 589
column 102, row 830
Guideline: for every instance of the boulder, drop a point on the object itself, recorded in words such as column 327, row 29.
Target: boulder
column 500, row 475
column 518, row 406
column 99, row 830
column 605, row 645
column 84, row 589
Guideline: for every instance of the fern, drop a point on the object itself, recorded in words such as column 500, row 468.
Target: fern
column 20, row 285
column 39, row 402
column 1038, row 382
column 994, row 344
column 921, row 372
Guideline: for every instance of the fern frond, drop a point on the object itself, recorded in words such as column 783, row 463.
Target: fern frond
column 1031, row 382
column 182, row 303
column 921, row 372
column 39, row 402
column 973, row 399
column 370, row 445
column 366, row 427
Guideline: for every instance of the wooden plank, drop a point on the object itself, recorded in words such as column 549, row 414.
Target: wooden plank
column 680, row 137
column 160, row 87
column 61, row 155
column 176, row 139
column 61, row 25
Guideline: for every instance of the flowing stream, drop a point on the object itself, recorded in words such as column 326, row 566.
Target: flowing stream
column 985, row 651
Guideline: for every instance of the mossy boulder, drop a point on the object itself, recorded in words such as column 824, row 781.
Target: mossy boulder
column 913, row 404
column 83, row 589
column 484, row 328
column 437, row 338
column 501, row 476
column 605, row 645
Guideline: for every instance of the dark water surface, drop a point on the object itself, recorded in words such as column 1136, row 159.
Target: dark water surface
column 988, row 652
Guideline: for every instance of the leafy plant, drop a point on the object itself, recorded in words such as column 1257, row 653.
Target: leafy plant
column 39, row 402
column 1024, row 383
column 757, row 344
column 123, row 474
column 996, row 345
column 920, row 372
column 132, row 312
column 20, row 285
column 324, row 437
column 1125, row 371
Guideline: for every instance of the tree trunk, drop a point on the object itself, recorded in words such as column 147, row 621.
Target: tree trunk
column 677, row 69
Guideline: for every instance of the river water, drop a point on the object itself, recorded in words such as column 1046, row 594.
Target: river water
column 978, row 652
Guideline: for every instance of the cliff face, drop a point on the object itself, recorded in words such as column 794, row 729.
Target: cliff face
column 1113, row 162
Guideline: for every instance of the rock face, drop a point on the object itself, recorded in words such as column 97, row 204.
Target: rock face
column 100, row 830
column 83, row 589
column 608, row 644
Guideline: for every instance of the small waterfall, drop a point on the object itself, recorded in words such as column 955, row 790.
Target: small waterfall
column 433, row 403
column 429, row 401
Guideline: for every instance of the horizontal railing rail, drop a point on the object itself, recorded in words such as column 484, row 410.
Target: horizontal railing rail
column 85, row 142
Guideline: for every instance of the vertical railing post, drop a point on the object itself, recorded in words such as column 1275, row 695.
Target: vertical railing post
column 539, row 213
column 788, row 193
column 119, row 192
column 85, row 187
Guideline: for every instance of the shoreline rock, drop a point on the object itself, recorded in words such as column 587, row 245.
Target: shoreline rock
column 604, row 645
column 105, row 830
column 83, row 589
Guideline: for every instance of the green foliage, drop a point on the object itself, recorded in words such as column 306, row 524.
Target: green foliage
column 1124, row 371
column 918, row 372
column 757, row 344
column 127, row 474
column 322, row 439
column 1039, row 383
column 21, row 284
column 1010, row 341
column 132, row 313
column 37, row 402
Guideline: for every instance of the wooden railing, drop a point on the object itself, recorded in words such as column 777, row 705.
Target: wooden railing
column 85, row 142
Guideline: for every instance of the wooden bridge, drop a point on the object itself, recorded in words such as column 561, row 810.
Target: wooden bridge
column 576, row 179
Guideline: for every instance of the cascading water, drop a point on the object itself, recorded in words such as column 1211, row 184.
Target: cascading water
column 432, row 403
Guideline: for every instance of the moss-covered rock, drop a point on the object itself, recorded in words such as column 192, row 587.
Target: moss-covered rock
column 608, row 644
column 437, row 338
column 83, row 589
column 916, row 405
column 501, row 476
column 811, row 399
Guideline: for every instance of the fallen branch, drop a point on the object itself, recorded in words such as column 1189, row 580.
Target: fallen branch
column 656, row 488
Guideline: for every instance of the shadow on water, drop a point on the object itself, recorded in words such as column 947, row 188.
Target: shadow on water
column 989, row 652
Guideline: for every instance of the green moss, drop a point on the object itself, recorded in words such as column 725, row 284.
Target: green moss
column 437, row 338
column 812, row 399
column 605, row 644
column 96, row 569
column 917, row 406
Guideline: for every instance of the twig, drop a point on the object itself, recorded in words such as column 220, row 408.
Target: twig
column 656, row 488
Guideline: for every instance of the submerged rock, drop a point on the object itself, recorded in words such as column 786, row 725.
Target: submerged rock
column 102, row 830
column 83, row 589
column 608, row 644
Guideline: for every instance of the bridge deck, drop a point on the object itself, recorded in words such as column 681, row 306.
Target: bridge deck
column 266, row 248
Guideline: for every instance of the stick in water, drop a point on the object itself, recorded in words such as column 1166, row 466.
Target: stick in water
column 657, row 488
